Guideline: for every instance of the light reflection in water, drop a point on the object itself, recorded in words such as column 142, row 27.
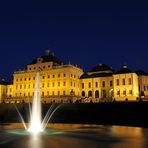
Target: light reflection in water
column 74, row 135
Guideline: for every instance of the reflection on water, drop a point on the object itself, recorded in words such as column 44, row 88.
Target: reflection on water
column 75, row 135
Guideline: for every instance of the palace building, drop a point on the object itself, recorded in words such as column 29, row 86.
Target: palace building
column 63, row 83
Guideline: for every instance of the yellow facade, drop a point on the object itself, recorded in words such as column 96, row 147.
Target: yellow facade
column 126, row 86
column 143, row 85
column 68, row 83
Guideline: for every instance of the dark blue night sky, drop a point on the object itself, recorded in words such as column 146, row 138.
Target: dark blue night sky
column 85, row 33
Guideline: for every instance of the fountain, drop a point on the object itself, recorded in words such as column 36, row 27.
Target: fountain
column 36, row 124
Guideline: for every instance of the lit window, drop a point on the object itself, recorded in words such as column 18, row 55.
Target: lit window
column 43, row 85
column 130, row 92
column 123, row 81
column 117, row 82
column 129, row 81
column 111, row 83
column 124, row 92
column 82, row 85
column 89, row 85
column 97, row 84
column 103, row 83
column 118, row 92
column 47, row 84
column 64, row 93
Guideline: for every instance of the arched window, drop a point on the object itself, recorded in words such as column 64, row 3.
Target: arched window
column 96, row 94
column 83, row 93
column 103, row 93
column 90, row 94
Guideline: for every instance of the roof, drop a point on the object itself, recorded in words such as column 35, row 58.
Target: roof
column 101, row 68
column 47, row 58
column 3, row 82
column 141, row 72
column 124, row 70
column 96, row 75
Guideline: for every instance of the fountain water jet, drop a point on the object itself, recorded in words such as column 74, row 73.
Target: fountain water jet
column 36, row 124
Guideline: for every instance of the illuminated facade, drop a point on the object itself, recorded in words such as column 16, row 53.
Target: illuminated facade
column 68, row 83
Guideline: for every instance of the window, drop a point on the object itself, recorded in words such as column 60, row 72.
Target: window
column 47, row 93
column 104, row 93
column 64, row 75
column 48, row 76
column 44, row 67
column 118, row 92
column 53, row 93
column 83, row 93
column 53, row 76
column 129, row 81
column 97, row 84
column 43, row 94
column 17, row 80
column 43, row 77
column 20, row 86
column 89, row 85
column 29, row 68
column 130, row 92
column 24, row 86
column 71, row 75
column 33, row 78
column 124, row 92
column 29, row 86
column 43, row 85
column 103, row 83
column 53, row 84
column 64, row 93
column 123, row 81
column 24, row 79
column 96, row 94
column 82, row 85
column 16, row 86
column 145, row 88
column 58, row 83
column 20, row 79
column 58, row 93
column 90, row 94
column 29, row 79
column 111, row 83
column 71, row 83
column 117, row 82
column 64, row 83
column 74, row 84
column 58, row 75
column 47, row 84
